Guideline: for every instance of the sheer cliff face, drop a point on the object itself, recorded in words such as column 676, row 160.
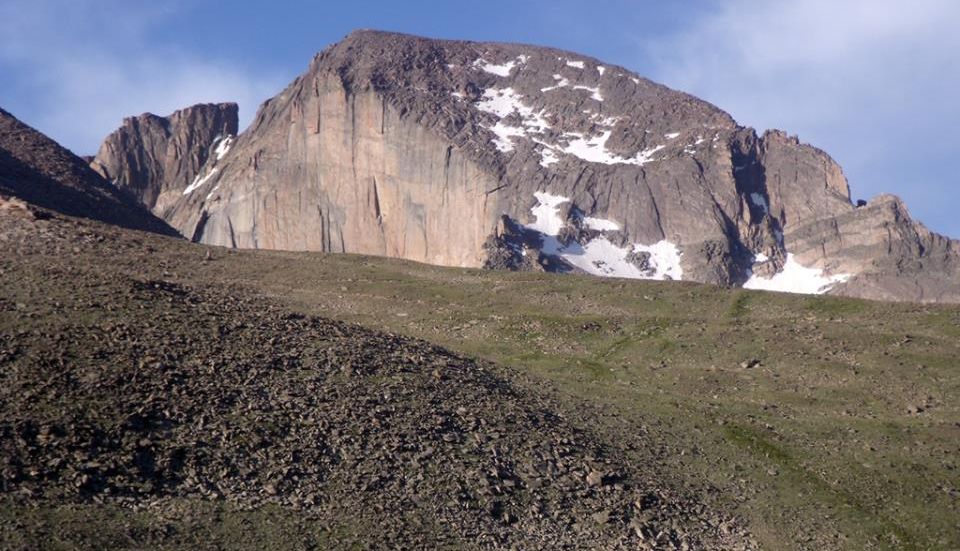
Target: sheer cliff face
column 512, row 156
column 324, row 168
column 38, row 170
column 156, row 158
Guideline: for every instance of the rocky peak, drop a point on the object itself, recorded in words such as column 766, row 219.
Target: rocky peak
column 549, row 102
column 156, row 158
column 833, row 178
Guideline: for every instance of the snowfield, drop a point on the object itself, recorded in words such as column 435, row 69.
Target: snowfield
column 199, row 181
column 795, row 278
column 600, row 256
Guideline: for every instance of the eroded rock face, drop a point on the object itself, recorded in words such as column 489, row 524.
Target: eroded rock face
column 157, row 158
column 36, row 169
column 473, row 154
column 891, row 256
column 326, row 169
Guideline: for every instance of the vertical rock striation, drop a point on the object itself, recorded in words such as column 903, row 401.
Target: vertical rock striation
column 156, row 158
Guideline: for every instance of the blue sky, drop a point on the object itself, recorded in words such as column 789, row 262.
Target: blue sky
column 873, row 82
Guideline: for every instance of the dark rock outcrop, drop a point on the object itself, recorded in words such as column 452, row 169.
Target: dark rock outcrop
column 415, row 148
column 38, row 170
column 157, row 158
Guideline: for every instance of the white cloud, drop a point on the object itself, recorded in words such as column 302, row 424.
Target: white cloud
column 873, row 82
column 81, row 66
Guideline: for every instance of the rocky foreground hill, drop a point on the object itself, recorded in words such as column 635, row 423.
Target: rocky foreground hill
column 520, row 157
column 36, row 169
column 127, row 395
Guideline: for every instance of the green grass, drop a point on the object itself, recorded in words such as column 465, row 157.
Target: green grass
column 668, row 356
column 201, row 525
column 739, row 305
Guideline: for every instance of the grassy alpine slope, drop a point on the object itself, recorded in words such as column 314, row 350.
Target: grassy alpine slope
column 830, row 423
column 824, row 423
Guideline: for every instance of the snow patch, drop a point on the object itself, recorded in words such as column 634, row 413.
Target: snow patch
column 548, row 157
column 457, row 95
column 504, row 135
column 671, row 135
column 500, row 102
column 505, row 102
column 548, row 221
column 600, row 224
column 502, row 70
column 646, row 156
column 603, row 258
column 601, row 69
column 212, row 191
column 561, row 82
column 199, row 181
column 499, row 70
column 577, row 64
column 760, row 258
column 664, row 258
column 222, row 146
column 602, row 120
column 795, row 278
column 600, row 256
column 594, row 150
column 594, row 92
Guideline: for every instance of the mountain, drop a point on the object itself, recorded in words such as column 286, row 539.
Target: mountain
column 157, row 158
column 520, row 157
column 38, row 170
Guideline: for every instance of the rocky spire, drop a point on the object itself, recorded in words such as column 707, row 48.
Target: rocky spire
column 156, row 158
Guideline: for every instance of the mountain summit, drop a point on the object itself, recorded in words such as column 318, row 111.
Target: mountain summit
column 521, row 157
